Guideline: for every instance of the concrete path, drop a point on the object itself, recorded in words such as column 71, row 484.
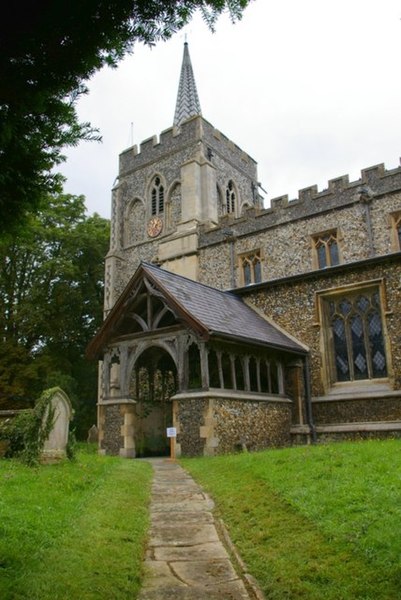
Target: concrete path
column 186, row 559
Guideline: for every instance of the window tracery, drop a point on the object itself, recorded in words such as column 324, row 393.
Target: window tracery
column 157, row 196
column 230, row 198
column 356, row 335
column 251, row 267
column 326, row 248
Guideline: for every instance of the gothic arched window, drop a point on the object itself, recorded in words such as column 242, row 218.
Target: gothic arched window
column 230, row 198
column 157, row 196
column 357, row 338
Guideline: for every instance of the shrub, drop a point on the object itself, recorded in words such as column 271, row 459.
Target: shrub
column 28, row 432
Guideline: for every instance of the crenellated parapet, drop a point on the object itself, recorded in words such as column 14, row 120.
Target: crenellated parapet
column 380, row 180
column 175, row 139
column 375, row 182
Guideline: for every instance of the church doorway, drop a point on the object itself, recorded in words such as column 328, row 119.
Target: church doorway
column 153, row 383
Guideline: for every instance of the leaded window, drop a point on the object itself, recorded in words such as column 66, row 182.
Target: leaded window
column 230, row 198
column 326, row 249
column 357, row 336
column 251, row 267
column 157, row 197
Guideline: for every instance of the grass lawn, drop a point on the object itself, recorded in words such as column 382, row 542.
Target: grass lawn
column 320, row 522
column 73, row 531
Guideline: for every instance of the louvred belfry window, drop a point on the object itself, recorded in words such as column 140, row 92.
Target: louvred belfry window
column 157, row 197
column 230, row 198
column 357, row 336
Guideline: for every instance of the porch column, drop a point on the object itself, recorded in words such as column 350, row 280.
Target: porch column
column 127, row 430
column 204, row 365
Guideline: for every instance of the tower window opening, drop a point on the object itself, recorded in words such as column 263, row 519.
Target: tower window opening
column 157, row 197
column 230, row 198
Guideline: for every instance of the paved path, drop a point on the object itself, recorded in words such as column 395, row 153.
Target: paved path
column 186, row 560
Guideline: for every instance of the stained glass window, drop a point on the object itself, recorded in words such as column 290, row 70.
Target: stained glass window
column 357, row 334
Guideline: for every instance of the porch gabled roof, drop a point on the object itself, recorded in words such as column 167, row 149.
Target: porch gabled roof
column 209, row 312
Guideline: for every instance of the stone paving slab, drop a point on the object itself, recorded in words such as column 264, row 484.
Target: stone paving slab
column 235, row 590
column 209, row 551
column 185, row 559
column 183, row 535
column 159, row 518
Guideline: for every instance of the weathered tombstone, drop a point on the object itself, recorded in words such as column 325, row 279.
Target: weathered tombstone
column 56, row 444
column 93, row 435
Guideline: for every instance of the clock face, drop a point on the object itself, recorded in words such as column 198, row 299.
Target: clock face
column 155, row 226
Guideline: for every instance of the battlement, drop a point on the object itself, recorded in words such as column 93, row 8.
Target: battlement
column 175, row 139
column 375, row 181
column 376, row 177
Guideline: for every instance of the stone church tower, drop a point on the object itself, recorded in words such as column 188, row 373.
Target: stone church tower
column 188, row 177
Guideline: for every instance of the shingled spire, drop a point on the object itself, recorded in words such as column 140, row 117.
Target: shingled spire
column 187, row 104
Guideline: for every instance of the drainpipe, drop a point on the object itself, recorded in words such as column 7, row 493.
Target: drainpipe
column 308, row 398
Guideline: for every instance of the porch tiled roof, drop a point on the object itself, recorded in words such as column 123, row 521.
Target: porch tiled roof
column 220, row 313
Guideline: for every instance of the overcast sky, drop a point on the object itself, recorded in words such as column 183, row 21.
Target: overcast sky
column 310, row 89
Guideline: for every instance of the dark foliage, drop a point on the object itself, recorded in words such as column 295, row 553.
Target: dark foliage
column 51, row 290
column 48, row 49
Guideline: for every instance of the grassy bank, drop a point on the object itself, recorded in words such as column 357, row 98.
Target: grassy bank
column 314, row 522
column 74, row 530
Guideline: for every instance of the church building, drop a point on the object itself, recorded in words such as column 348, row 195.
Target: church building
column 245, row 327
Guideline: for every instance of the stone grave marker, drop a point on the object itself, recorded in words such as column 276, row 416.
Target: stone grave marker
column 56, row 444
column 93, row 435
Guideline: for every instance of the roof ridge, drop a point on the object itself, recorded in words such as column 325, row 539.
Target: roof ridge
column 205, row 285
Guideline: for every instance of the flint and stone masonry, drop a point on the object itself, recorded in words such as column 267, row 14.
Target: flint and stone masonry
column 188, row 201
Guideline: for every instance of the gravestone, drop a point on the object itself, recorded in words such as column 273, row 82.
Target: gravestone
column 56, row 444
column 93, row 435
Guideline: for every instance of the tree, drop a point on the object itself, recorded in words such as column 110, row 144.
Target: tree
column 51, row 290
column 48, row 49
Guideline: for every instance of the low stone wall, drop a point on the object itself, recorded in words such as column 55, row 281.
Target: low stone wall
column 209, row 424
column 189, row 416
column 356, row 436
column 243, row 424
column 357, row 410
column 111, row 422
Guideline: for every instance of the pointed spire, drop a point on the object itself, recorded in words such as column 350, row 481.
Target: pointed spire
column 187, row 104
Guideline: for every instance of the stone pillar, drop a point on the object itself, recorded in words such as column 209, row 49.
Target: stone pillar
column 127, row 430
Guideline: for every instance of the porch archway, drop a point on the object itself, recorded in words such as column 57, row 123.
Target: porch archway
column 153, row 382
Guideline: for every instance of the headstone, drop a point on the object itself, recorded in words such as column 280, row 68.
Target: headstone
column 93, row 435
column 55, row 445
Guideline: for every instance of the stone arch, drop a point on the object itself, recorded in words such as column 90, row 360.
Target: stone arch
column 156, row 194
column 134, row 221
column 220, row 201
column 231, row 198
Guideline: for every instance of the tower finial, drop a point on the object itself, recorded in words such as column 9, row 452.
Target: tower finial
column 187, row 104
